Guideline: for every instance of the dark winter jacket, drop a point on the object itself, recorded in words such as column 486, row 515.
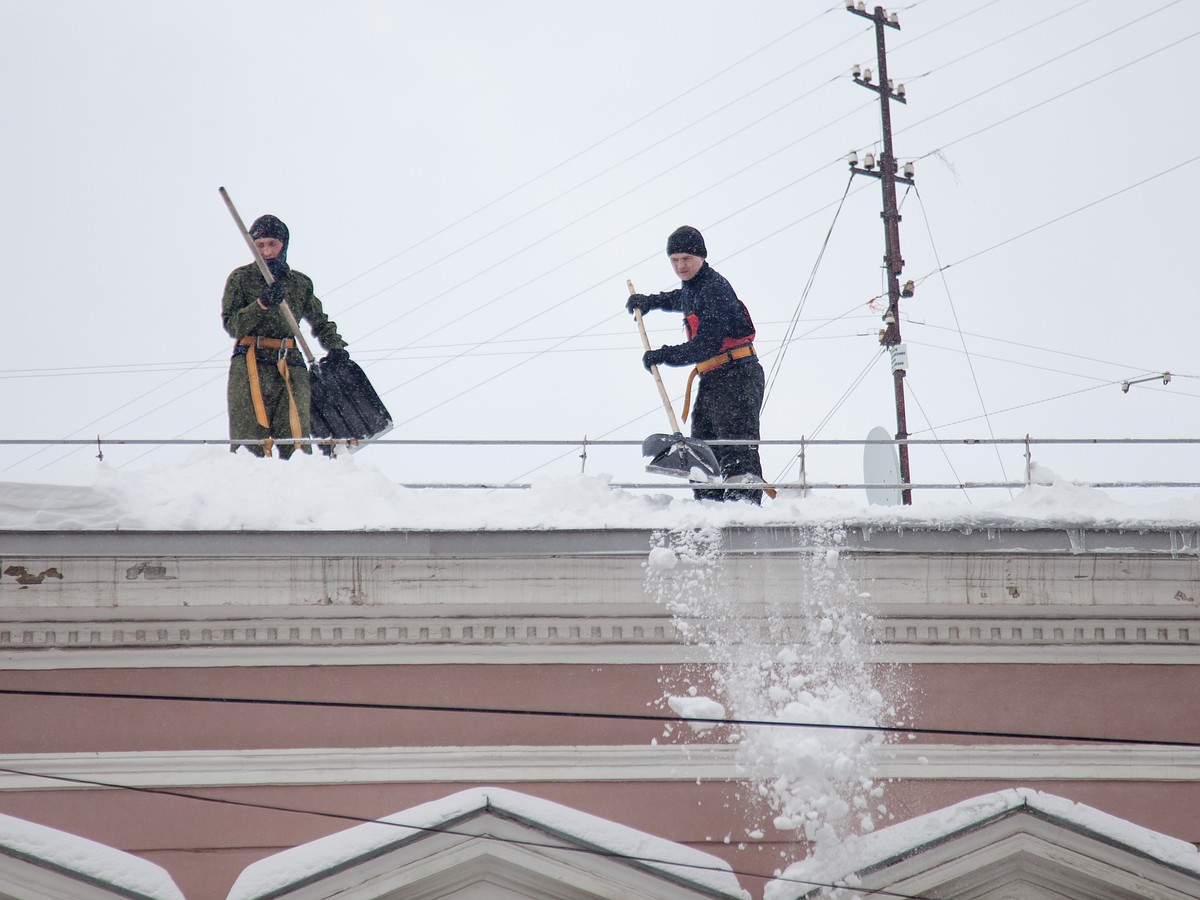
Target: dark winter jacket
column 714, row 318
column 242, row 317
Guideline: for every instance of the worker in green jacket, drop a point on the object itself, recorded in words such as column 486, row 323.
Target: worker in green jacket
column 269, row 391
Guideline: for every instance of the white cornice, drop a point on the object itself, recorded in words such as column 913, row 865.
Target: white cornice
column 398, row 765
column 253, row 656
column 133, row 600
column 210, row 637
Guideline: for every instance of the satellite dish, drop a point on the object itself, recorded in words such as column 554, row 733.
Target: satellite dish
column 881, row 465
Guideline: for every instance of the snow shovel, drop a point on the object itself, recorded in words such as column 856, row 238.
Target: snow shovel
column 344, row 405
column 674, row 454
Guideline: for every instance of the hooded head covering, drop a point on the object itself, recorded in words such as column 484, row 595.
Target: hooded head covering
column 270, row 226
column 687, row 239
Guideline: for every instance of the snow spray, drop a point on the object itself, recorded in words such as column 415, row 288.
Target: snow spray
column 803, row 658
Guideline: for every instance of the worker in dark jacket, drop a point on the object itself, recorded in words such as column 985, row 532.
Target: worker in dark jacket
column 720, row 345
column 269, row 390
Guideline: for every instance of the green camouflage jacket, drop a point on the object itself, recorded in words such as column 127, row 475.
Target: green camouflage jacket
column 242, row 317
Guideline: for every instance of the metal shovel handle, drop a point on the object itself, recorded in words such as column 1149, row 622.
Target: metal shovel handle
column 266, row 273
column 662, row 390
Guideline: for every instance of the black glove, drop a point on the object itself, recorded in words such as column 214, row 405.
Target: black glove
column 336, row 357
column 638, row 301
column 277, row 267
column 273, row 294
column 652, row 358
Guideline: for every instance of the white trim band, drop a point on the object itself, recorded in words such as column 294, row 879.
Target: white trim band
column 665, row 762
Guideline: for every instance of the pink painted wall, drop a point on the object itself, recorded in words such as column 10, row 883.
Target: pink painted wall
column 204, row 845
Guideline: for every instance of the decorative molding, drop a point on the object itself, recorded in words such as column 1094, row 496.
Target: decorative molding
column 377, row 636
column 509, row 764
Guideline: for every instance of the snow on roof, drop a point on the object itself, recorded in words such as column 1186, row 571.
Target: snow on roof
column 214, row 490
column 311, row 859
column 87, row 859
column 860, row 853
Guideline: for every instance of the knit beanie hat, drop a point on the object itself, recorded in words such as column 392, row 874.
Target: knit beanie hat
column 687, row 239
column 269, row 226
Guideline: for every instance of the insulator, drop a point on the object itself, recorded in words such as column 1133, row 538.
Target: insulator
column 866, row 75
column 852, row 157
column 909, row 169
column 894, row 19
column 869, row 160
column 900, row 91
column 849, row 4
column 856, row 71
column 908, row 290
column 890, row 88
column 861, row 7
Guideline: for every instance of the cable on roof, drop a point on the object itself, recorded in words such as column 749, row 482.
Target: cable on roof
column 431, row 829
column 575, row 714
column 954, row 312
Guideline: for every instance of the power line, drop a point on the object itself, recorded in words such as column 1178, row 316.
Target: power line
column 1013, row 362
column 576, row 714
column 744, row 208
column 1050, row 61
column 943, row 448
column 791, row 328
column 432, row 829
column 1062, row 94
column 644, row 183
column 597, row 245
column 987, row 46
column 1026, row 346
column 608, row 202
column 1137, row 184
column 595, row 144
column 1027, row 405
column 957, row 325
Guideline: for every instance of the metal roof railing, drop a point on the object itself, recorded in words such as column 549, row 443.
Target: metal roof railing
column 802, row 446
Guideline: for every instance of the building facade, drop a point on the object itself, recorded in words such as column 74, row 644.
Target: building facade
column 206, row 701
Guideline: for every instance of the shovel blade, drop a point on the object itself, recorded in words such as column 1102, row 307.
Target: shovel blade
column 680, row 457
column 344, row 405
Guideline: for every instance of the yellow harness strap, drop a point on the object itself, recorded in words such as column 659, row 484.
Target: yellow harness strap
column 713, row 363
column 260, row 410
column 293, row 412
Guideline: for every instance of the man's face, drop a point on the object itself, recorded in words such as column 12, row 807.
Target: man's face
column 269, row 247
column 685, row 265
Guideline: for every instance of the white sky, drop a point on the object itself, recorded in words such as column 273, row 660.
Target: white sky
column 470, row 184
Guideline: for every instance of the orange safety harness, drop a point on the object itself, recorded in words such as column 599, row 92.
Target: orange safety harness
column 282, row 345
column 708, row 365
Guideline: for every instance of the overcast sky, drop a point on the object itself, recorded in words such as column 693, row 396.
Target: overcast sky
column 469, row 184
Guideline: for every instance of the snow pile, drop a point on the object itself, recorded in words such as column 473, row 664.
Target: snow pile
column 697, row 710
column 804, row 659
column 84, row 860
column 212, row 489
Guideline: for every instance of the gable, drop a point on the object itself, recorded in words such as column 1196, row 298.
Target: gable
column 1017, row 844
column 1022, row 856
column 488, row 843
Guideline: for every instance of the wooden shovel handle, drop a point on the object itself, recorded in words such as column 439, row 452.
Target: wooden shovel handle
column 662, row 390
column 266, row 273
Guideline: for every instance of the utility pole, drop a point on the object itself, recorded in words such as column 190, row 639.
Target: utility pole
column 893, row 262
